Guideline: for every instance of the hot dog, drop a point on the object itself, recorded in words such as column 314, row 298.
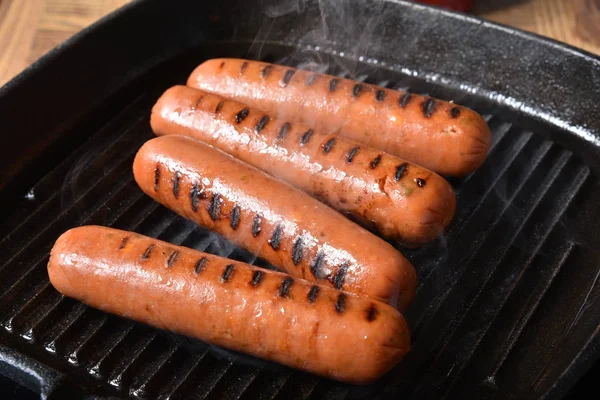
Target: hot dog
column 441, row 136
column 231, row 304
column 402, row 201
column 279, row 223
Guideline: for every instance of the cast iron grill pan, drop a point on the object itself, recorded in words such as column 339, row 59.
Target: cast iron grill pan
column 507, row 299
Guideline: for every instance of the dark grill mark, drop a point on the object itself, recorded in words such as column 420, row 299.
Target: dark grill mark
column 420, row 182
column 297, row 250
column 267, row 71
column 234, row 219
column 286, row 284
column 222, row 65
column 200, row 264
column 313, row 294
column 405, row 99
column 351, row 154
column 156, row 177
column 306, row 137
column 276, row 237
column 454, row 112
column 356, row 90
column 283, row 131
column 198, row 102
column 338, row 281
column 380, row 95
column 287, row 77
column 400, row 169
column 316, row 267
column 372, row 313
column 375, row 162
column 218, row 108
column 328, row 145
column 227, row 273
column 214, row 208
column 310, row 79
column 333, row 84
column 256, row 225
column 243, row 67
column 340, row 304
column 172, row 258
column 428, row 107
column 147, row 252
column 194, row 197
column 257, row 278
column 123, row 242
column 240, row 116
column 262, row 123
column 176, row 179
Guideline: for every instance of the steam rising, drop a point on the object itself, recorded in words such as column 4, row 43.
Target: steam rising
column 284, row 7
column 341, row 12
column 430, row 261
column 339, row 20
column 88, row 163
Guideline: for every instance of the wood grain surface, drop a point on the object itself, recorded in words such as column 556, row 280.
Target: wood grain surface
column 30, row 28
column 576, row 22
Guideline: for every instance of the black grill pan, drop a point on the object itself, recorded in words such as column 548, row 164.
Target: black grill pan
column 508, row 304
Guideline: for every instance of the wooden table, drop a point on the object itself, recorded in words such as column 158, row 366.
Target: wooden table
column 29, row 28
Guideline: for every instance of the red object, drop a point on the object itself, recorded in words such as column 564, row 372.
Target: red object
column 459, row 5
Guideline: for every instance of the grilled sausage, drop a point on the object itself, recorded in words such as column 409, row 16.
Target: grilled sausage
column 400, row 200
column 279, row 223
column 263, row 313
column 441, row 136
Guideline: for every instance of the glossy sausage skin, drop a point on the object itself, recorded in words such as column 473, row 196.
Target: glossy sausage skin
column 441, row 136
column 279, row 223
column 402, row 201
column 263, row 313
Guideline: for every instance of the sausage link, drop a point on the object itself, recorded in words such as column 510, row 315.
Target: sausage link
column 439, row 135
column 401, row 201
column 230, row 304
column 279, row 223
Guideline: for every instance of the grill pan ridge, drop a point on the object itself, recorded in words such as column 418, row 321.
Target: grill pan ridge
column 507, row 299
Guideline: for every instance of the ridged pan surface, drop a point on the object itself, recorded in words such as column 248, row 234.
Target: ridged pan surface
column 507, row 300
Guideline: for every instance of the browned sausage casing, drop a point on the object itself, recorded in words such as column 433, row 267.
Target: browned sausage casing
column 442, row 136
column 402, row 201
column 279, row 223
column 231, row 304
